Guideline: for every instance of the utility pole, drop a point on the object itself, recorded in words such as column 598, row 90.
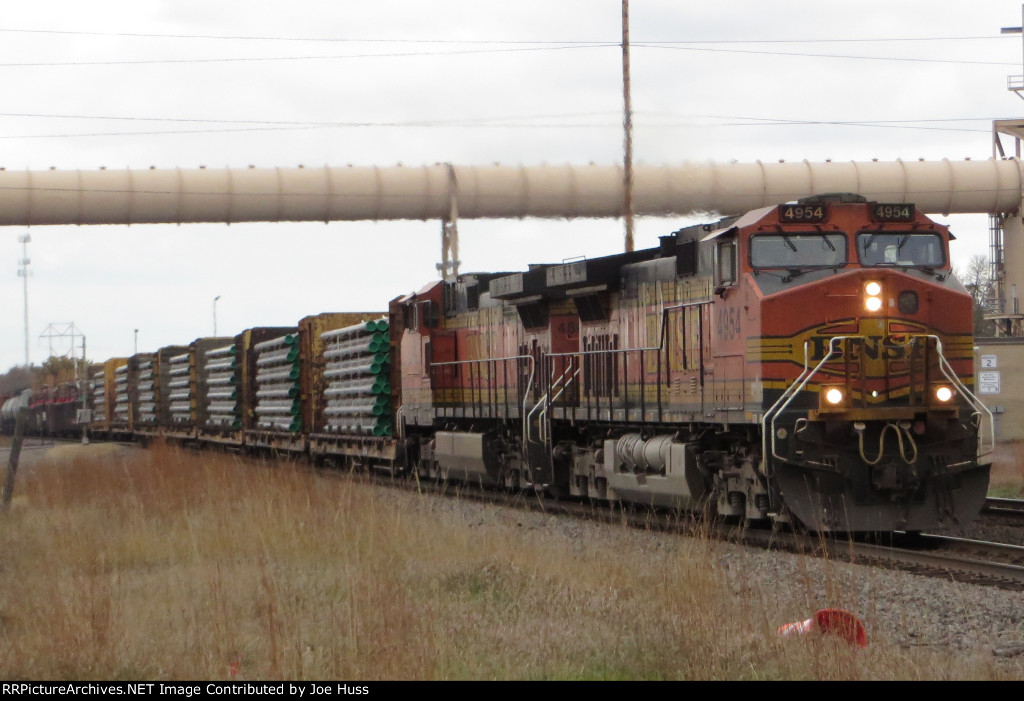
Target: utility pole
column 85, row 414
column 627, row 125
column 23, row 273
column 1015, row 83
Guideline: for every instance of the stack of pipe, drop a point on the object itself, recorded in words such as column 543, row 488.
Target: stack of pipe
column 277, row 384
column 181, row 389
column 146, row 384
column 222, row 389
column 99, row 394
column 122, row 410
column 358, row 391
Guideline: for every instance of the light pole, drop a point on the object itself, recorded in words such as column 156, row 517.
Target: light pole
column 215, row 314
column 136, row 341
column 24, row 240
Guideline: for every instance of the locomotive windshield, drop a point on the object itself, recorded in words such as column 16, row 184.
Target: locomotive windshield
column 798, row 250
column 900, row 248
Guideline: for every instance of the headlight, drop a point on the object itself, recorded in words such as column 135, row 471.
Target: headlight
column 873, row 299
column 832, row 399
column 943, row 394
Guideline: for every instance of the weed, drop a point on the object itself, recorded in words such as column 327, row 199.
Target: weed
column 167, row 564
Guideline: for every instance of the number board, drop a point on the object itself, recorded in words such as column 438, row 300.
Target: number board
column 893, row 212
column 809, row 213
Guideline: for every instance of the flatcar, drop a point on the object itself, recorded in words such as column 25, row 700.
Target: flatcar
column 807, row 363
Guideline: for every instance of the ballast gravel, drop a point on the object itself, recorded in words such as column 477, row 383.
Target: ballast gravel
column 908, row 610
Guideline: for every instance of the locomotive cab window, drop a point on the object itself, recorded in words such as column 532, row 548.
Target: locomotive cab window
column 410, row 316
column 725, row 262
column 901, row 248
column 423, row 313
column 798, row 251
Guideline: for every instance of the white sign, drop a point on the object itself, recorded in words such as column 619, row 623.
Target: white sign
column 988, row 382
column 988, row 361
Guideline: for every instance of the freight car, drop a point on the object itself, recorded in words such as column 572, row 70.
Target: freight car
column 52, row 409
column 810, row 362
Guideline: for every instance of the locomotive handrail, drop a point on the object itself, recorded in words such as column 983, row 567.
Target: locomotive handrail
column 772, row 408
column 662, row 337
column 604, row 350
column 618, row 351
column 801, row 381
column 526, row 390
column 540, row 402
column 561, row 384
column 976, row 404
column 805, row 376
column 529, row 417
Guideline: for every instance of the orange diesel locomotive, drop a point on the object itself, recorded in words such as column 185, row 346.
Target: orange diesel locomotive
column 809, row 362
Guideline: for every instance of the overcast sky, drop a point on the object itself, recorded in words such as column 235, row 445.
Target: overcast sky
column 231, row 83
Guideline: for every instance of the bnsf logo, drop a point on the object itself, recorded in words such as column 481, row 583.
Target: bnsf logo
column 872, row 347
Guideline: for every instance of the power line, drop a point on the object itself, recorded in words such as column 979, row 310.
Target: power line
column 835, row 56
column 464, row 124
column 826, row 40
column 251, row 59
column 878, row 124
column 396, row 40
column 796, row 122
column 867, row 121
column 502, row 120
column 36, row 115
column 455, row 124
column 506, row 49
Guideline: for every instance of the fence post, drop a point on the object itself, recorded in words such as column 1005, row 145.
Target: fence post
column 12, row 465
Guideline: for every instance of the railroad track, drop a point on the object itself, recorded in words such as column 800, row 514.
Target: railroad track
column 984, row 563
column 970, row 560
column 1003, row 508
column 45, row 443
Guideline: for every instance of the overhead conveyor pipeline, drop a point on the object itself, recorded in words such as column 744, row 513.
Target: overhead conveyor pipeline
column 31, row 198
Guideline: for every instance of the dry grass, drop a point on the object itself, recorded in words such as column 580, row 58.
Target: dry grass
column 162, row 564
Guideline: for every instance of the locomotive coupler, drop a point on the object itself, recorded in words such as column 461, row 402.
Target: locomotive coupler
column 895, row 476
